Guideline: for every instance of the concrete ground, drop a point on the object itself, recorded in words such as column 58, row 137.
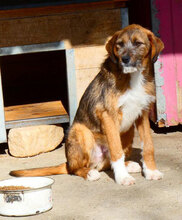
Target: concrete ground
column 75, row 198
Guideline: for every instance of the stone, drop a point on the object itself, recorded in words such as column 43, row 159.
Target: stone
column 33, row 140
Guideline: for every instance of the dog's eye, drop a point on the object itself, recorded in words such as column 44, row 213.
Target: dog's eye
column 137, row 43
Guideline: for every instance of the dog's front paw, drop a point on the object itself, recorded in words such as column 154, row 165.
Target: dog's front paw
column 125, row 180
column 153, row 174
column 121, row 174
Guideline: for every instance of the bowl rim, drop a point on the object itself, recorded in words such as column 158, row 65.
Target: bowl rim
column 31, row 189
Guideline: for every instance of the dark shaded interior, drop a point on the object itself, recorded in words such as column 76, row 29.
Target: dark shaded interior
column 34, row 78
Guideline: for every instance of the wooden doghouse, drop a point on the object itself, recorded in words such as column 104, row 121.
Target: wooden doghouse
column 49, row 54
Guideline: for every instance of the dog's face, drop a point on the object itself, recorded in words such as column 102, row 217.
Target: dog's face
column 131, row 46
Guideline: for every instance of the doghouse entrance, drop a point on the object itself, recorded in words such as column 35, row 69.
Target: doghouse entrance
column 35, row 88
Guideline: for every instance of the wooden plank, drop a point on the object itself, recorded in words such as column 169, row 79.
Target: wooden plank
column 32, row 111
column 168, row 67
column 89, row 57
column 159, row 80
column 179, row 100
column 93, row 29
column 51, row 10
column 168, row 76
column 177, row 34
column 83, row 78
column 38, row 121
column 71, row 82
column 3, row 137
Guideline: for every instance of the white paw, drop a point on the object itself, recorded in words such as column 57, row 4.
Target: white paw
column 120, row 172
column 93, row 175
column 125, row 180
column 152, row 174
column 133, row 167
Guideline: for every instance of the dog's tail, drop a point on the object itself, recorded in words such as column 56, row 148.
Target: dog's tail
column 46, row 171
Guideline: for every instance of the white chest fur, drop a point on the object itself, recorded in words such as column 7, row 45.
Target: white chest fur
column 133, row 101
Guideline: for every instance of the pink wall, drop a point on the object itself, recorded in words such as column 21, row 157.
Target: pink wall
column 170, row 30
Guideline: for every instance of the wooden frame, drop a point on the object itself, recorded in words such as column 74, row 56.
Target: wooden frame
column 71, row 87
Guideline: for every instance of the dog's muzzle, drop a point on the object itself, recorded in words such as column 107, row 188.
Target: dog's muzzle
column 127, row 65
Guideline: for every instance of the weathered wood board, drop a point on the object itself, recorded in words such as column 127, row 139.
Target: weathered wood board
column 37, row 110
column 87, row 64
column 89, row 57
column 76, row 29
column 84, row 77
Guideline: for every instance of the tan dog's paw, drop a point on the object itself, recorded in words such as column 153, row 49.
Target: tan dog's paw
column 125, row 180
column 133, row 167
column 93, row 175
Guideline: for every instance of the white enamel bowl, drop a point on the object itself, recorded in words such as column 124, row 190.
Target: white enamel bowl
column 25, row 202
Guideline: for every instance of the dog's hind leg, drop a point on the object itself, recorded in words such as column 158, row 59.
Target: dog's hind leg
column 79, row 145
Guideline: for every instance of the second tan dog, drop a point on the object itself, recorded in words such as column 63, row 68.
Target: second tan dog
column 118, row 98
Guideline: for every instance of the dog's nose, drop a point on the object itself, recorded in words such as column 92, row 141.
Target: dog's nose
column 126, row 59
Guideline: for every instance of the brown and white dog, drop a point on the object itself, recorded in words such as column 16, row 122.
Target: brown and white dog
column 118, row 98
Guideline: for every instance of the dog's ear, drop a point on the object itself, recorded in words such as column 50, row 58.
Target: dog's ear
column 156, row 46
column 110, row 47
